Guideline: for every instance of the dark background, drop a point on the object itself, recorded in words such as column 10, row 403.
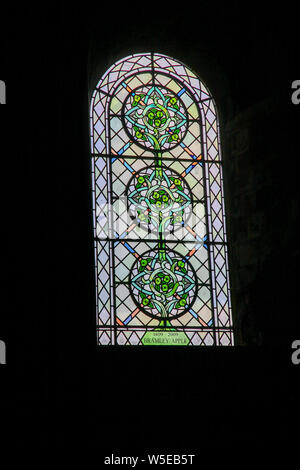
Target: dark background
column 58, row 388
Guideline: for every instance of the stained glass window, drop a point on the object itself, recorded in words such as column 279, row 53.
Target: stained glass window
column 158, row 208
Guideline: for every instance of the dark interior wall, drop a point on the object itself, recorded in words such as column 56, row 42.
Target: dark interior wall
column 72, row 392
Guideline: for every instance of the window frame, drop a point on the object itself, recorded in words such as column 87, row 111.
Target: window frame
column 206, row 163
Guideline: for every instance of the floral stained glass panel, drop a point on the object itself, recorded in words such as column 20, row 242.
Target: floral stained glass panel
column 160, row 243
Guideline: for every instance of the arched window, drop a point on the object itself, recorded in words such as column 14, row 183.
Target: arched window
column 159, row 221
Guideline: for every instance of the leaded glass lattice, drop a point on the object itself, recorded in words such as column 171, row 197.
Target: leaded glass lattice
column 158, row 207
